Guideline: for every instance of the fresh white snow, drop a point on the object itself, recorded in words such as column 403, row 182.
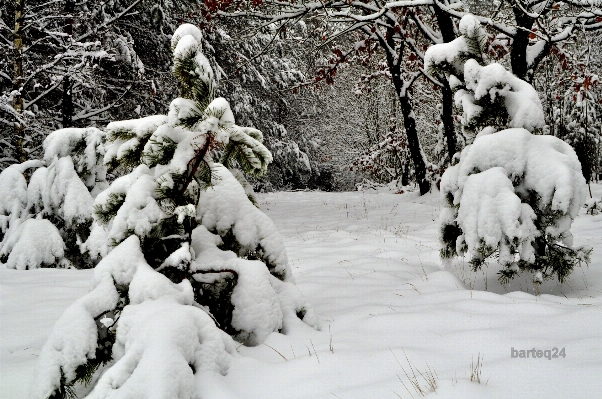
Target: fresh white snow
column 369, row 265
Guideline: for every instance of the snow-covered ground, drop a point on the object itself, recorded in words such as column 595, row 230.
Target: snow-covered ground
column 369, row 264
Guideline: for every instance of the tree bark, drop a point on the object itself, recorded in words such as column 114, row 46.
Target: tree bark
column 409, row 122
column 446, row 27
column 19, row 129
column 67, row 103
column 407, row 110
column 67, row 98
column 446, row 24
column 447, row 117
column 518, row 53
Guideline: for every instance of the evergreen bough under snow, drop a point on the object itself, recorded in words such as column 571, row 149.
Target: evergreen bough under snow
column 45, row 222
column 512, row 195
column 188, row 262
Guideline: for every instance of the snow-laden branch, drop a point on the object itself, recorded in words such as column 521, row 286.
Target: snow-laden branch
column 408, row 3
column 43, row 94
column 5, row 76
column 110, row 21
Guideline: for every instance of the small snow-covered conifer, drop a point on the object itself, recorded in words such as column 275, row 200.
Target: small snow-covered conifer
column 511, row 195
column 57, row 202
column 184, row 251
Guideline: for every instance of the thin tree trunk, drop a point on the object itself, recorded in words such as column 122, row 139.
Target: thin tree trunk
column 409, row 119
column 19, row 129
column 67, row 98
column 447, row 117
column 67, row 103
column 446, row 27
column 409, row 122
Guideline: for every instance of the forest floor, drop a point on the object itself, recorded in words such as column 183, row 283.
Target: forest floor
column 395, row 323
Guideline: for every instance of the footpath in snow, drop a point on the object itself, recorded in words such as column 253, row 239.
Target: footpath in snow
column 391, row 316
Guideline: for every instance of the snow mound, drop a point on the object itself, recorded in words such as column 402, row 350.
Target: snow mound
column 160, row 346
column 98, row 244
column 68, row 195
column 13, row 195
column 158, row 334
column 544, row 164
column 74, row 337
column 262, row 303
column 492, row 214
column 185, row 30
column 138, row 211
column 58, row 190
column 85, row 147
column 520, row 98
column 33, row 244
column 451, row 56
column 257, row 311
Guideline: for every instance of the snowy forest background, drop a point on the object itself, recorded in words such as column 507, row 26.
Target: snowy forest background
column 317, row 86
column 176, row 153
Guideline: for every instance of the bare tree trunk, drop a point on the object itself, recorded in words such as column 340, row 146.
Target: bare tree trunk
column 518, row 53
column 407, row 110
column 447, row 117
column 67, row 103
column 409, row 122
column 446, row 27
column 19, row 129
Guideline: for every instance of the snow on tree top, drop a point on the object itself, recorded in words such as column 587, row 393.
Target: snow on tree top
column 186, row 30
column 469, row 25
column 520, row 98
column 454, row 53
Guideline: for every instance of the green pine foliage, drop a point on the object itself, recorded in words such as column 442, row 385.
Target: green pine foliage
column 186, row 71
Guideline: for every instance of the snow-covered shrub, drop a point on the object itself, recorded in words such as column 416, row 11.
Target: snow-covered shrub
column 293, row 163
column 61, row 191
column 515, row 195
column 512, row 194
column 183, row 241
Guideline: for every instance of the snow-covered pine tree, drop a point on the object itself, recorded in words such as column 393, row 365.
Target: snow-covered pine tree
column 44, row 222
column 191, row 253
column 512, row 195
